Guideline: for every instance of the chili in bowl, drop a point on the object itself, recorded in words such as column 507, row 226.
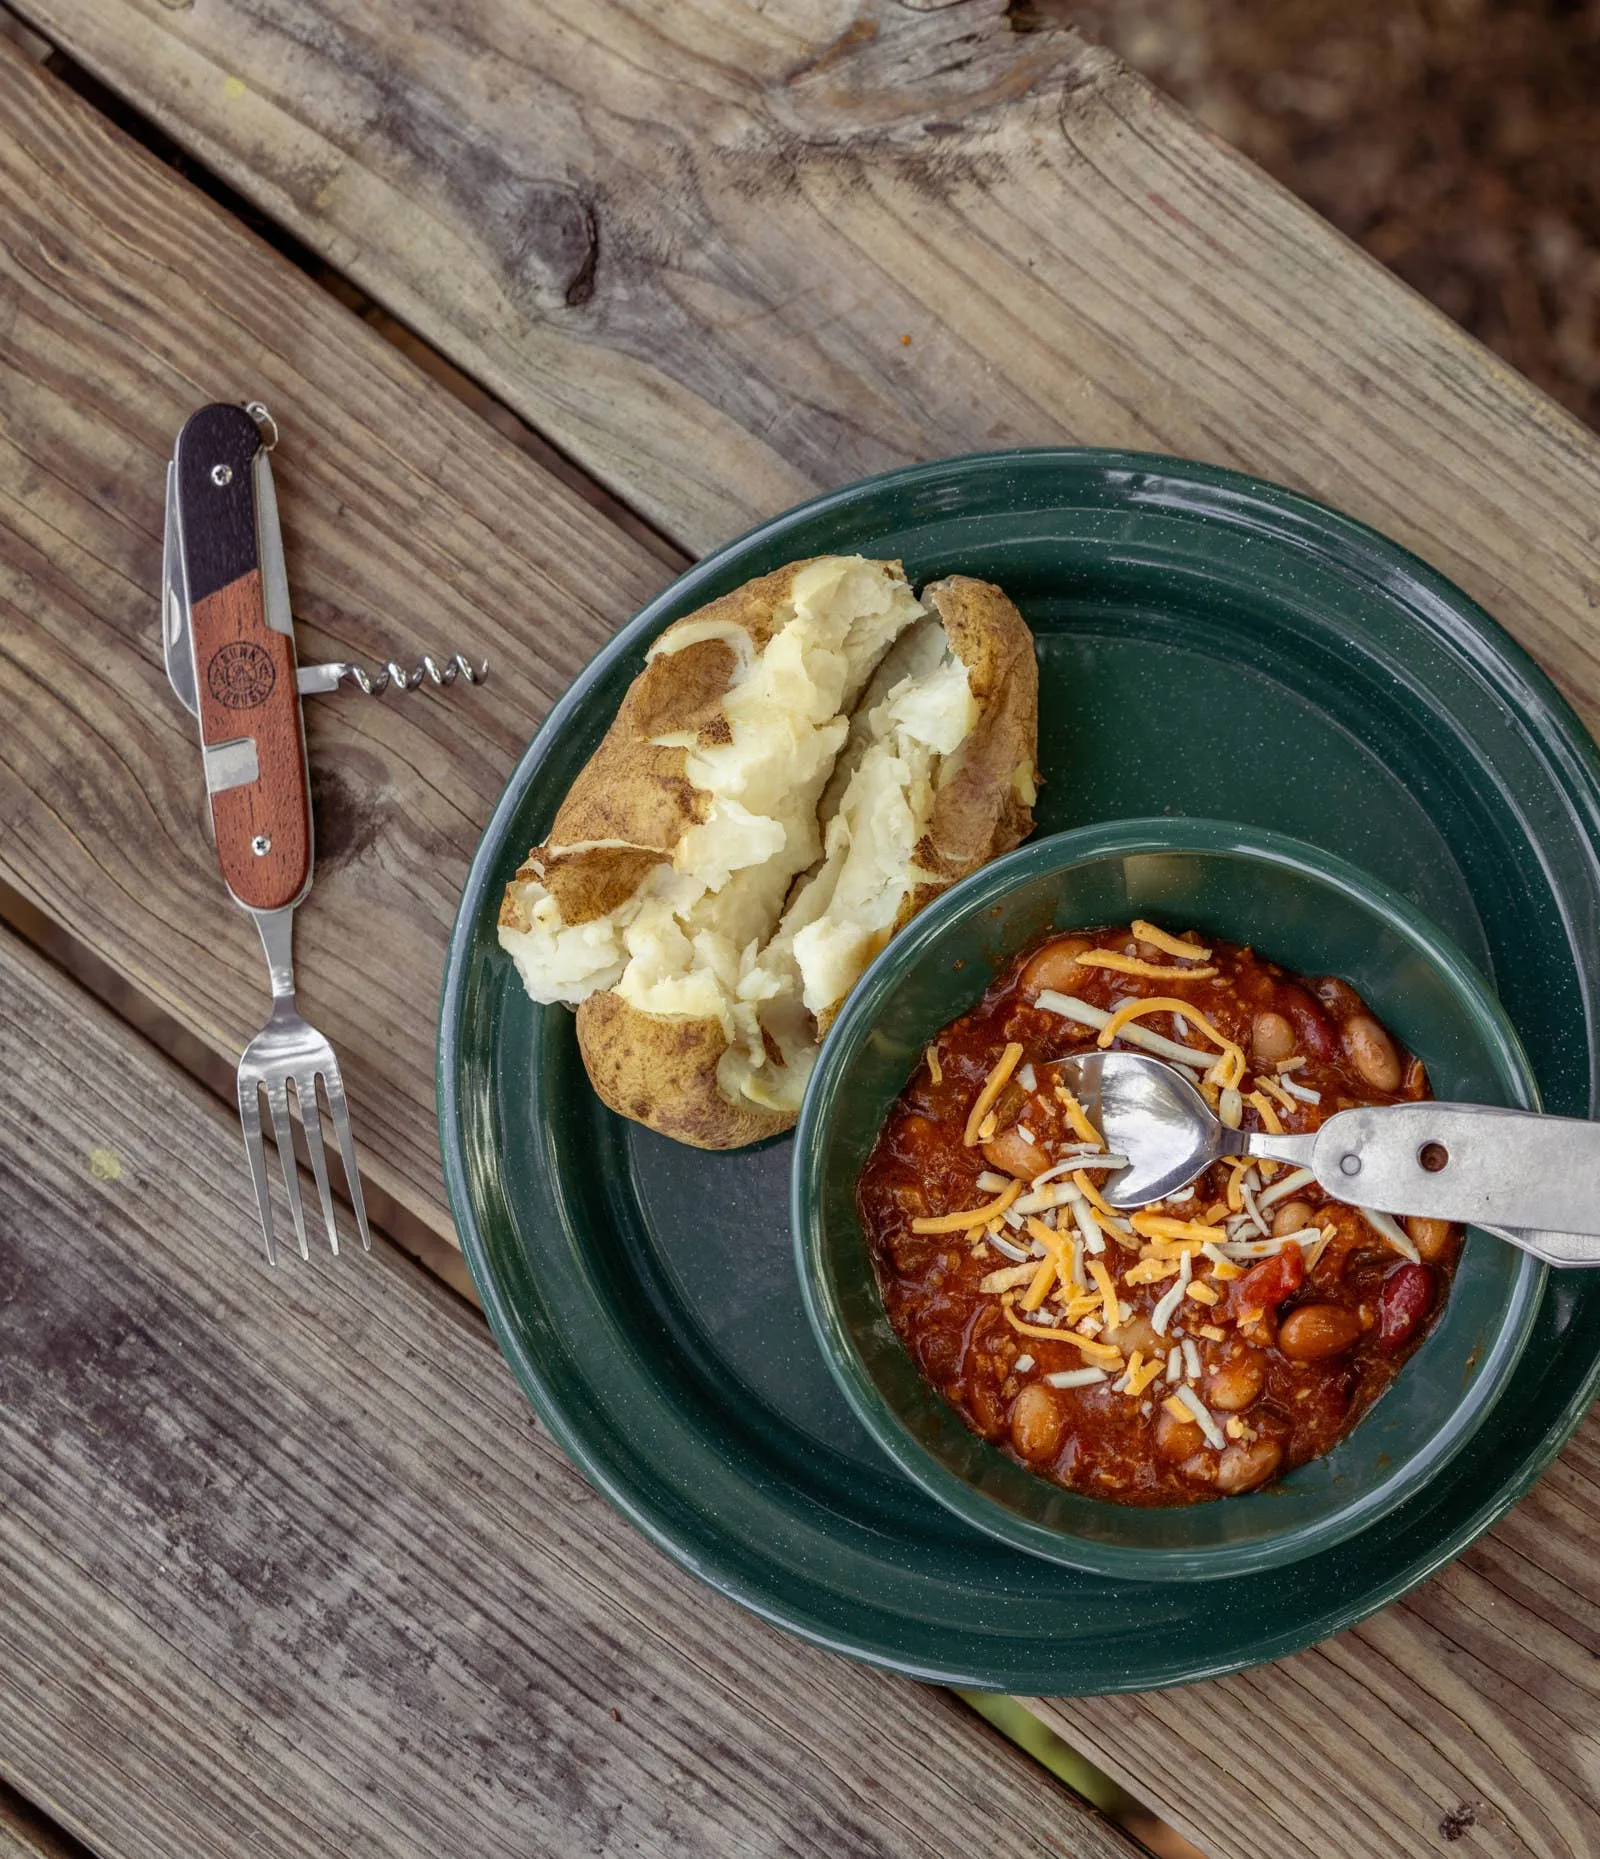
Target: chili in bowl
column 1221, row 1382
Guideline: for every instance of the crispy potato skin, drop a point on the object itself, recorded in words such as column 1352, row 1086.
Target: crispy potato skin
column 663, row 1073
column 635, row 796
column 631, row 795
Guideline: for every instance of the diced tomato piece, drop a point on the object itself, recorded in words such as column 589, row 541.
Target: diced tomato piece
column 1406, row 1298
column 1265, row 1286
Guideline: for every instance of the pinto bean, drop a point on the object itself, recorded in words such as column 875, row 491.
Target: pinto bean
column 1056, row 966
column 1236, row 1383
column 1291, row 1217
column 1200, row 1468
column 1038, row 1420
column 1271, row 1038
column 1372, row 1052
column 1316, row 1331
column 1338, row 997
column 1242, row 1467
column 1177, row 1439
column 1406, row 1298
column 1012, row 1152
column 1430, row 1237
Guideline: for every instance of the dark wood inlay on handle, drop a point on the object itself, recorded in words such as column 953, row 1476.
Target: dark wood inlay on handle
column 216, row 494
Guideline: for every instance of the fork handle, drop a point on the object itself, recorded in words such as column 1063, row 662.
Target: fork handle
column 250, row 719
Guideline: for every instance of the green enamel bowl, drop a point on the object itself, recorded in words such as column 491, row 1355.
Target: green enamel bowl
column 1314, row 914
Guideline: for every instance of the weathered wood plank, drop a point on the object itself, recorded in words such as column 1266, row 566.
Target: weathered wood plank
column 26, row 1834
column 1472, row 1708
column 288, row 1567
column 410, row 525
column 727, row 254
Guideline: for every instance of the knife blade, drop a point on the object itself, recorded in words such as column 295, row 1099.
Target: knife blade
column 176, row 646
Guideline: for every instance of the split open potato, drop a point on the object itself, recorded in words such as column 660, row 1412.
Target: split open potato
column 799, row 767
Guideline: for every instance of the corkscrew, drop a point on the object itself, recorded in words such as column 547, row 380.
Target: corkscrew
column 315, row 678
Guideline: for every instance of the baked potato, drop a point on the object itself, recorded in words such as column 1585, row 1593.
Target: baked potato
column 797, row 769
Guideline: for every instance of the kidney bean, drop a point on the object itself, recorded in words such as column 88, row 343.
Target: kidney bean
column 1056, row 966
column 1266, row 1285
column 1291, row 1217
column 1038, row 1420
column 1406, row 1298
column 1316, row 1331
column 1372, row 1053
column 1271, row 1038
column 1011, row 1151
column 1340, row 999
column 1430, row 1237
column 1311, row 1026
column 1243, row 1467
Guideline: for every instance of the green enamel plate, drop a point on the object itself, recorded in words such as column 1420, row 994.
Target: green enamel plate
column 1209, row 645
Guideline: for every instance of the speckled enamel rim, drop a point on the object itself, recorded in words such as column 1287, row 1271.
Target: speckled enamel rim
column 918, row 943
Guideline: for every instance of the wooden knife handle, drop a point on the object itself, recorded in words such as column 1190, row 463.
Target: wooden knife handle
column 244, row 669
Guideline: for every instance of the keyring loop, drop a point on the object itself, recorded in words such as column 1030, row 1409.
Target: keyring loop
column 264, row 419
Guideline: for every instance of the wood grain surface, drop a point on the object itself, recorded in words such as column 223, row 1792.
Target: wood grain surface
column 729, row 254
column 351, row 1600
column 1183, row 303
column 409, row 526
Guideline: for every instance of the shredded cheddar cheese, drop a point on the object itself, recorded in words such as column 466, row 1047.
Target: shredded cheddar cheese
column 973, row 1217
column 1078, row 1117
column 1132, row 965
column 1229, row 1068
column 1105, row 1354
column 1093, row 1195
column 1173, row 945
column 1108, row 1292
column 1149, row 1271
column 1039, row 1286
column 935, row 1069
column 993, row 1085
column 1269, row 1116
column 1162, row 1226
column 1201, row 1292
column 1140, row 1378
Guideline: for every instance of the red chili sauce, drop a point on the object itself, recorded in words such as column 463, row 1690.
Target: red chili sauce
column 1228, row 1352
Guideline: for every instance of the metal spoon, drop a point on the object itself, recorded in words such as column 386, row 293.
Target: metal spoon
column 1529, row 1179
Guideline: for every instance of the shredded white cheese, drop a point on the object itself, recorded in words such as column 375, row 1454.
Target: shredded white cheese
column 1071, row 1008
column 1202, row 1415
column 1391, row 1230
column 1076, row 1377
column 1291, row 1184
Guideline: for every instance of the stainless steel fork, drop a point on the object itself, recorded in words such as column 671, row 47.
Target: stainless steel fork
column 289, row 1050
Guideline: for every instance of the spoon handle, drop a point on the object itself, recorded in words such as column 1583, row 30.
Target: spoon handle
column 1472, row 1162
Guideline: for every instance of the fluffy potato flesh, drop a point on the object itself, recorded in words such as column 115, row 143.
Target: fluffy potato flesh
column 801, row 729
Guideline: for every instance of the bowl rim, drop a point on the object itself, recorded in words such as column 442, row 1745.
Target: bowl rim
column 1057, row 852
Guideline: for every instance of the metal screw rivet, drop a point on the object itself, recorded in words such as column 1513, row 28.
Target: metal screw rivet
column 221, row 474
column 1350, row 1165
column 261, row 845
column 1433, row 1157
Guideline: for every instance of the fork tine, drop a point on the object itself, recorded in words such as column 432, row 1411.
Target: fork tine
column 305, row 1091
column 255, row 1153
column 283, row 1131
column 333, row 1084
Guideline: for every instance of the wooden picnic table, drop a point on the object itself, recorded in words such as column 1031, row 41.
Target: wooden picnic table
column 553, row 297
